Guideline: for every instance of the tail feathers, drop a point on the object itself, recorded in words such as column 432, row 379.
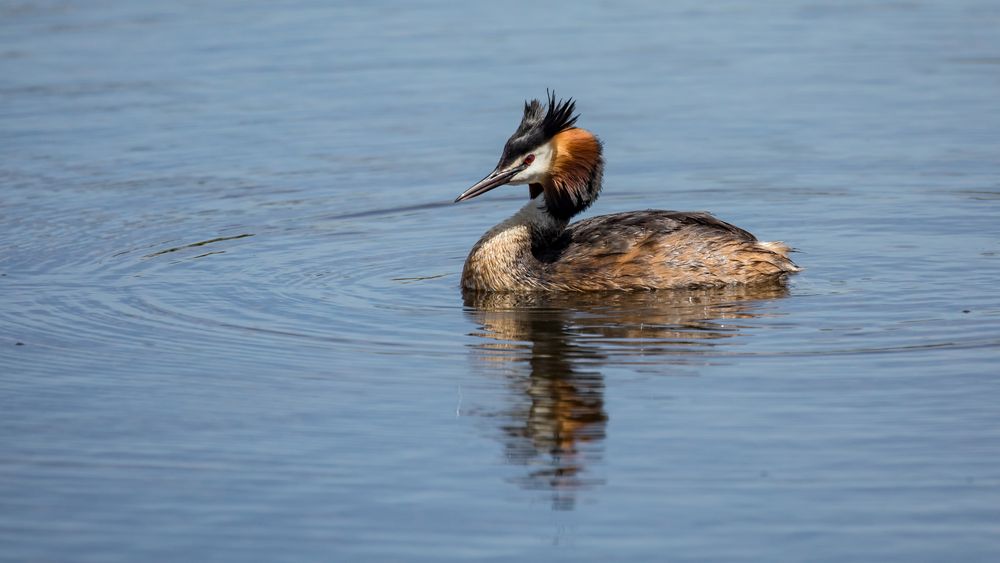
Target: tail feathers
column 778, row 255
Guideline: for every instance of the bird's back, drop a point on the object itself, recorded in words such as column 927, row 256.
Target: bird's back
column 658, row 250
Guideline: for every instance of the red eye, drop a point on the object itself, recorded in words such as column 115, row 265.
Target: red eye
column 529, row 159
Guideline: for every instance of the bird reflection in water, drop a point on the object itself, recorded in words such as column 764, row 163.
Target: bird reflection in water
column 552, row 348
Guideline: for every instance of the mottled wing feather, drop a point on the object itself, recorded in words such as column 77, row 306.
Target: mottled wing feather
column 657, row 249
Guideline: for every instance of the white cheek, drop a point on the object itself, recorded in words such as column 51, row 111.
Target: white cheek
column 539, row 167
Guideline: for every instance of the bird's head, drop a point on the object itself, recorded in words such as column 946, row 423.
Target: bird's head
column 552, row 156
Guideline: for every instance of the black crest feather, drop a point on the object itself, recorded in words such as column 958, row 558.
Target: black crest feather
column 559, row 116
column 539, row 124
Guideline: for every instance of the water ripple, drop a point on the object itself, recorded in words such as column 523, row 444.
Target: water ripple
column 351, row 280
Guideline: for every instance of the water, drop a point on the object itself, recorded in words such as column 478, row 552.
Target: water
column 231, row 329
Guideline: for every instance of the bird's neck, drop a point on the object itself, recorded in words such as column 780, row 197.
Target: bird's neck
column 574, row 179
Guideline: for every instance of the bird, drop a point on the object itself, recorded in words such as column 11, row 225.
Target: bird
column 539, row 250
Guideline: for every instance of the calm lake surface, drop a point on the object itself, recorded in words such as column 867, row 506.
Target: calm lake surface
column 231, row 327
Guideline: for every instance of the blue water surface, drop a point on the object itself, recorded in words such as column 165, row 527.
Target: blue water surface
column 231, row 326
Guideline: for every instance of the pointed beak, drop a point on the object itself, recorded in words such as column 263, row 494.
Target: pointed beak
column 495, row 179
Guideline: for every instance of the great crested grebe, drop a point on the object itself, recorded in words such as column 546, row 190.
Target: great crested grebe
column 536, row 250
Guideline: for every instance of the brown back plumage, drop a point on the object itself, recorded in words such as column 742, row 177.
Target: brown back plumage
column 656, row 250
